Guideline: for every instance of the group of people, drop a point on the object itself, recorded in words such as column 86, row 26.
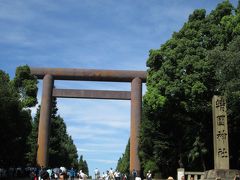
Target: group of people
column 57, row 173
column 182, row 178
column 116, row 175
column 48, row 173
column 109, row 175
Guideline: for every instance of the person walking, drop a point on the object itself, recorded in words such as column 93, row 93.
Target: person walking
column 149, row 175
column 96, row 173
column 237, row 177
column 72, row 173
column 117, row 175
column 82, row 176
column 134, row 174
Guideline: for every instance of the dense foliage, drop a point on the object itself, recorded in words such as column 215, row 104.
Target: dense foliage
column 15, row 118
column 26, row 86
column 18, row 132
column 123, row 162
column 199, row 61
column 82, row 165
column 228, row 76
column 62, row 151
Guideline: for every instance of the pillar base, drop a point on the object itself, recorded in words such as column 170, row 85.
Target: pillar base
column 221, row 173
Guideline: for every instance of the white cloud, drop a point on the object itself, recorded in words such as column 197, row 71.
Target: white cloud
column 14, row 11
column 88, row 132
column 105, row 161
column 93, row 150
column 80, row 150
column 94, row 85
column 111, row 114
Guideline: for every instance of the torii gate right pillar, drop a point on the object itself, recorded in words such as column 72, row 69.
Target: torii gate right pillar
column 136, row 109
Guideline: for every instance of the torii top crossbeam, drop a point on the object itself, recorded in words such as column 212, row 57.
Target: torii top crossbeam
column 89, row 74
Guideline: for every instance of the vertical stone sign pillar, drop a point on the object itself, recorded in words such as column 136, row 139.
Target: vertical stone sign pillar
column 220, row 133
column 44, row 121
column 136, row 110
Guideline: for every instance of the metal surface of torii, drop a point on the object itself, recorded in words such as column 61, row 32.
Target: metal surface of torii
column 135, row 95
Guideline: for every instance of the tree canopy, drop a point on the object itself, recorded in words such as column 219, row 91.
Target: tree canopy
column 15, row 117
column 123, row 162
column 199, row 61
column 62, row 151
column 18, row 132
column 82, row 165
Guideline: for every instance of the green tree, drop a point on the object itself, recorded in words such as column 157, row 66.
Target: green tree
column 123, row 162
column 26, row 85
column 31, row 155
column 228, row 75
column 15, row 124
column 82, row 165
column 182, row 79
column 62, row 151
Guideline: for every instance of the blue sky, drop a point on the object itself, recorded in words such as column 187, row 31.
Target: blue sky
column 106, row 34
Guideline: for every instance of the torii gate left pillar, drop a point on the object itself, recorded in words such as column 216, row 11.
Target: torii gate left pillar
column 44, row 121
column 50, row 74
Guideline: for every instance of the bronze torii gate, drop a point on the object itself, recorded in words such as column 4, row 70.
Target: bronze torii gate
column 135, row 95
